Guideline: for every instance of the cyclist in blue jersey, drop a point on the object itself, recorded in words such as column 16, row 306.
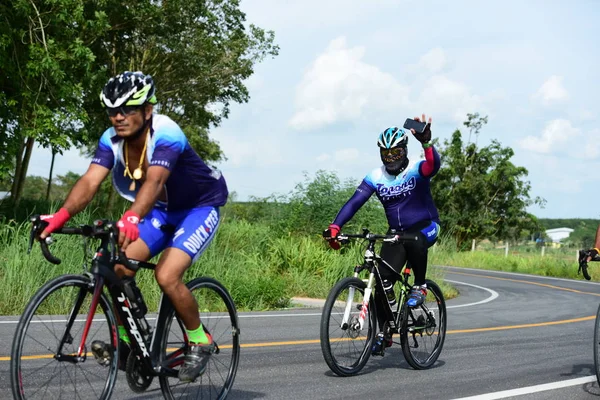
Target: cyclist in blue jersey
column 404, row 191
column 175, row 195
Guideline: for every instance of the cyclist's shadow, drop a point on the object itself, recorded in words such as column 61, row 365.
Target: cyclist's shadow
column 394, row 358
column 234, row 393
column 579, row 369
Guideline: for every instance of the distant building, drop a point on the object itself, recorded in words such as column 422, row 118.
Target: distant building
column 557, row 234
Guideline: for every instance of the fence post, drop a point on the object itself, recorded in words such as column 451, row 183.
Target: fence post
column 577, row 256
column 506, row 250
column 473, row 245
column 543, row 250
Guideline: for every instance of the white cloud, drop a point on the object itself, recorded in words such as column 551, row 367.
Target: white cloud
column 555, row 135
column 591, row 149
column 339, row 86
column 552, row 91
column 433, row 61
column 443, row 98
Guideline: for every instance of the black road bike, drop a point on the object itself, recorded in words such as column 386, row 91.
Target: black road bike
column 349, row 319
column 51, row 355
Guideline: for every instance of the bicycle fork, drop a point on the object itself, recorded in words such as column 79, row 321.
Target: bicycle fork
column 364, row 306
column 67, row 338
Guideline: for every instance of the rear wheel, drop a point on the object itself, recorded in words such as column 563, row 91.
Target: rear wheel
column 345, row 345
column 219, row 318
column 43, row 359
column 597, row 345
column 423, row 329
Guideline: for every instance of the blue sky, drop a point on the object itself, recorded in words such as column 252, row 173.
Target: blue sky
column 349, row 69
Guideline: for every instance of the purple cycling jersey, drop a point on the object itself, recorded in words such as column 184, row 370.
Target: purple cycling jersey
column 406, row 198
column 191, row 183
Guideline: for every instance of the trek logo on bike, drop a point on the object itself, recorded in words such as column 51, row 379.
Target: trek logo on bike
column 134, row 330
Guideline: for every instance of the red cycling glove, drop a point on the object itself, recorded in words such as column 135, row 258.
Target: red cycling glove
column 330, row 234
column 128, row 224
column 56, row 220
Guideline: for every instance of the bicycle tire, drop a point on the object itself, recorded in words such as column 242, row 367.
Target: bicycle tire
column 35, row 333
column 597, row 346
column 422, row 333
column 219, row 317
column 347, row 355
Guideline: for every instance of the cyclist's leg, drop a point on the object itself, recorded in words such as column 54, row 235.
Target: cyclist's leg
column 417, row 255
column 394, row 255
column 194, row 232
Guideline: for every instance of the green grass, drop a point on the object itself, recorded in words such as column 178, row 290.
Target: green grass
column 260, row 268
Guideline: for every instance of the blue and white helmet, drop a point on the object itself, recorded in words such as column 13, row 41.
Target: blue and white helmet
column 392, row 137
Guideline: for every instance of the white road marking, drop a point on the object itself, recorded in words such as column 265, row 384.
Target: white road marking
column 531, row 389
column 493, row 294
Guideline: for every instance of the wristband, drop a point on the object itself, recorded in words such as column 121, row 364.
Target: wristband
column 426, row 145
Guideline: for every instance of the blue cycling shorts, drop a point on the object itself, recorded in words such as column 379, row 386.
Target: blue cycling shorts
column 189, row 230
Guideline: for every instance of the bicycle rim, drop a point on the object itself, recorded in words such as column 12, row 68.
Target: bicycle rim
column 219, row 318
column 36, row 371
column 423, row 329
column 597, row 345
column 346, row 347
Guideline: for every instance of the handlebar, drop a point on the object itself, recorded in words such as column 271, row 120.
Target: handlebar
column 372, row 237
column 101, row 229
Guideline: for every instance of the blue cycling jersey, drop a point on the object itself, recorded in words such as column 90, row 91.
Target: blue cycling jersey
column 406, row 198
column 191, row 183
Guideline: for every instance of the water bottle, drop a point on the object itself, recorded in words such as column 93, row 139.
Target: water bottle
column 388, row 287
column 133, row 293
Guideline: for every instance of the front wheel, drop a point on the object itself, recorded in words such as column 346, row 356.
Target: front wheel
column 423, row 329
column 346, row 346
column 219, row 318
column 44, row 363
column 597, row 345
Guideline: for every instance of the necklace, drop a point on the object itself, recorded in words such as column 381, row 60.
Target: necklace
column 138, row 173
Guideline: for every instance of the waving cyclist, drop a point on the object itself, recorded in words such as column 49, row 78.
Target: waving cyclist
column 169, row 185
column 404, row 191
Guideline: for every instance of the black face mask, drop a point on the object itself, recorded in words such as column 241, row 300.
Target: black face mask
column 394, row 160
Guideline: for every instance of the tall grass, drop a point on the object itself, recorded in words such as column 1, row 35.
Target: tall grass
column 261, row 268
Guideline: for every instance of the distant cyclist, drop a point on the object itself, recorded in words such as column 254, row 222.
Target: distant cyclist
column 404, row 192
column 170, row 186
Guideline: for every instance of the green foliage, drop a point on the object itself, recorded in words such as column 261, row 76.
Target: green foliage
column 56, row 55
column 199, row 53
column 479, row 192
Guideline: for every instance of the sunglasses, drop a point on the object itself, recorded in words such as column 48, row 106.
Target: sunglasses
column 123, row 110
column 394, row 154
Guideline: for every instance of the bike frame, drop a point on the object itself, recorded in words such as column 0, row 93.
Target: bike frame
column 141, row 335
column 371, row 262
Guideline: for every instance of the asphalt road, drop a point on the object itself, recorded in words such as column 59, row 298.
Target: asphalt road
column 509, row 336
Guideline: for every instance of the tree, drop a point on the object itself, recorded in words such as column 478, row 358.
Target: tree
column 199, row 53
column 43, row 59
column 479, row 192
column 55, row 56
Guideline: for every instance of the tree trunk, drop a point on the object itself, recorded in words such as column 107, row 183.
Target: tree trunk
column 18, row 165
column 23, row 171
column 50, row 175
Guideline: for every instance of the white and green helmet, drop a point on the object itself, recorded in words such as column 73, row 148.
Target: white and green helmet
column 128, row 89
column 392, row 137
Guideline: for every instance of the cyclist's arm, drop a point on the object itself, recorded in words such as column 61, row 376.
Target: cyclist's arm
column 156, row 178
column 597, row 243
column 360, row 197
column 86, row 187
column 431, row 165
